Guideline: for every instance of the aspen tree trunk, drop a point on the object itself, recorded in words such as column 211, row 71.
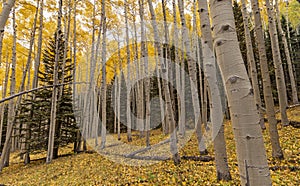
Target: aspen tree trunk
column 288, row 56
column 181, row 105
column 182, row 80
column 165, row 53
column 252, row 159
column 119, row 90
column 4, row 160
column 280, row 80
column 251, row 61
column 103, row 83
column 2, row 106
column 128, row 110
column 162, row 105
column 79, row 136
column 39, row 46
column 54, row 92
column 116, row 91
column 216, row 113
column 193, row 79
column 27, row 69
column 161, row 66
column 196, row 53
column 74, row 51
column 140, row 99
column 67, row 23
column 85, row 104
column 101, row 26
column 1, row 44
column 7, row 6
column 267, row 90
column 205, row 100
column 201, row 81
column 66, row 44
column 138, row 96
column 288, row 32
column 144, row 57
column 115, row 102
column 91, row 94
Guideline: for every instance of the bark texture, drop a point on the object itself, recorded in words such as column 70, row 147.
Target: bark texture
column 252, row 159
column 267, row 90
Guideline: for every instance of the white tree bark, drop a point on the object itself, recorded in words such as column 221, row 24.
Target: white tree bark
column 2, row 107
column 161, row 67
column 251, row 61
column 54, row 92
column 193, row 79
column 128, row 110
column 252, row 159
column 144, row 61
column 268, row 97
column 180, row 91
column 7, row 6
column 280, row 80
column 119, row 91
column 4, row 160
column 103, row 82
column 216, row 113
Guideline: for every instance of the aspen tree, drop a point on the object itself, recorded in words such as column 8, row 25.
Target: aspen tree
column 252, row 159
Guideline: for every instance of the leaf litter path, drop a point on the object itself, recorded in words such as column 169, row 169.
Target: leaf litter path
column 137, row 155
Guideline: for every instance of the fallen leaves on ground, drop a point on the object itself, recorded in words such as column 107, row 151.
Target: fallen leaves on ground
column 94, row 169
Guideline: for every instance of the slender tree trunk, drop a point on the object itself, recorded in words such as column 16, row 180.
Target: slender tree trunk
column 288, row 56
column 166, row 55
column 161, row 66
column 54, row 92
column 2, row 106
column 280, row 80
column 160, row 94
column 103, row 83
column 193, row 79
column 144, row 61
column 139, row 88
column 182, row 82
column 101, row 26
column 67, row 22
column 4, row 160
column 216, row 113
column 91, row 102
column 128, row 110
column 205, row 100
column 180, row 112
column 79, row 136
column 251, row 61
column 119, row 90
column 115, row 102
column 268, row 97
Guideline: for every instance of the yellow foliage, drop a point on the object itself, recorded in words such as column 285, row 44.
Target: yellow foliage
column 93, row 169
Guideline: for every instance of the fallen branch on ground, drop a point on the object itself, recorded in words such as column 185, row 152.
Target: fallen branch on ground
column 198, row 158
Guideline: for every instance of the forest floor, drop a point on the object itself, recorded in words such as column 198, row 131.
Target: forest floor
column 94, row 169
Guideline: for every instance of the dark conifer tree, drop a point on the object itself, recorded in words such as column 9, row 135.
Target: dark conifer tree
column 35, row 110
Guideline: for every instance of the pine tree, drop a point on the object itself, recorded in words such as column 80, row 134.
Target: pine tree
column 35, row 111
